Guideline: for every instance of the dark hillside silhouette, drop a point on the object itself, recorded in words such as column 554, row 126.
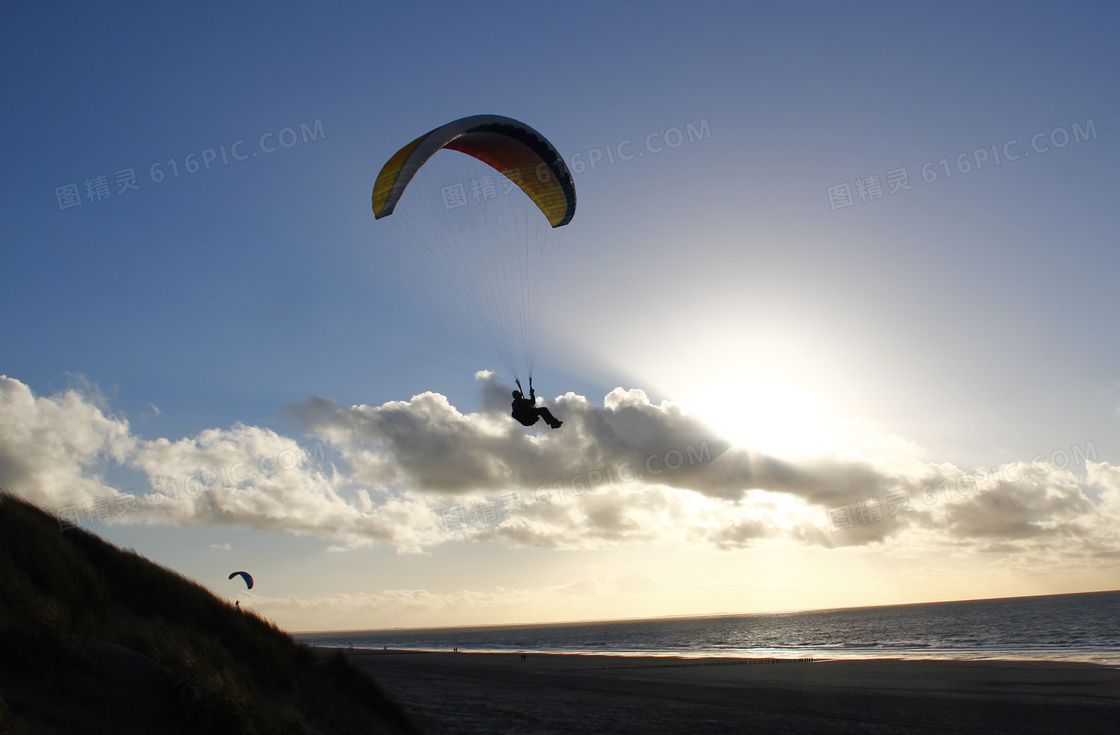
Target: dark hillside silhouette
column 96, row 639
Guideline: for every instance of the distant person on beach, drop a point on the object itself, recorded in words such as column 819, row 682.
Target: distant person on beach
column 527, row 412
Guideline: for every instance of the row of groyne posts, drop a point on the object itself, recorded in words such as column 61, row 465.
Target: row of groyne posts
column 733, row 662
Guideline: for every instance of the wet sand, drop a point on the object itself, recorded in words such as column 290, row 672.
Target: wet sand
column 555, row 693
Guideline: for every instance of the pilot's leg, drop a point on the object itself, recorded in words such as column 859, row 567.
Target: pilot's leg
column 551, row 420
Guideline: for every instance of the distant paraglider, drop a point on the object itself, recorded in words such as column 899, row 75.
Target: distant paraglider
column 246, row 576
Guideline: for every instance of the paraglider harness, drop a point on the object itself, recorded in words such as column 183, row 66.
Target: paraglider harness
column 525, row 409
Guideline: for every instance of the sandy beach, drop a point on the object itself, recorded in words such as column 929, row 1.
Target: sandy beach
column 553, row 693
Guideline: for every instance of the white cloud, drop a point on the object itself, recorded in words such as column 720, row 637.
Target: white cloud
column 55, row 450
column 626, row 472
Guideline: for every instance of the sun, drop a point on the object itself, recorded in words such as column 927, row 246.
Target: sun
column 764, row 415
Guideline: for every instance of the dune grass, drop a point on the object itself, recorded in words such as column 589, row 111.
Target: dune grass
column 75, row 612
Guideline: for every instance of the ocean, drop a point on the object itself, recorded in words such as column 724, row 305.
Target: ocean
column 1072, row 627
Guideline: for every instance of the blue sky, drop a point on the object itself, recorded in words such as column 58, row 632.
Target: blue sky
column 906, row 339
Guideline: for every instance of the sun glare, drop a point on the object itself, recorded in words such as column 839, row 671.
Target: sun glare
column 764, row 416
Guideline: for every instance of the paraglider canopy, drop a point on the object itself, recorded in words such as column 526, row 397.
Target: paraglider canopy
column 510, row 147
column 495, row 237
column 246, row 576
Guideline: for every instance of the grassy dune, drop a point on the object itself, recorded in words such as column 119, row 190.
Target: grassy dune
column 95, row 639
